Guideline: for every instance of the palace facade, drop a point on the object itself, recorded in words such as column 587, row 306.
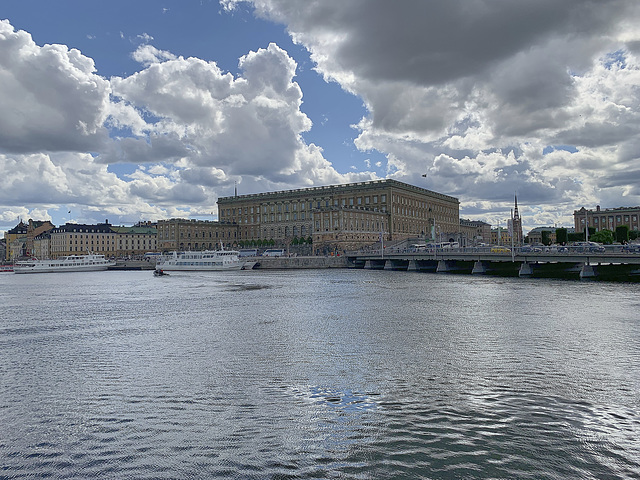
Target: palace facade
column 342, row 217
column 331, row 218
column 191, row 234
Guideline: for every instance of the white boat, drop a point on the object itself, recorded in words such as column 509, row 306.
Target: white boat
column 206, row 260
column 70, row 263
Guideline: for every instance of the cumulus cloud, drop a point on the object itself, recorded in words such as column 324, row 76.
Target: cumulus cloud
column 148, row 54
column 51, row 99
column 486, row 99
column 474, row 92
column 245, row 126
column 199, row 130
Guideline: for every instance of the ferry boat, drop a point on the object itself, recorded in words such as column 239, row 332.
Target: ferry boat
column 70, row 263
column 6, row 268
column 205, row 260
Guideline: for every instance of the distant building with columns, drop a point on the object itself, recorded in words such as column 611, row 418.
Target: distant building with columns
column 607, row 219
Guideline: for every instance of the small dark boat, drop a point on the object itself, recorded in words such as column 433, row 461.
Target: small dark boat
column 160, row 273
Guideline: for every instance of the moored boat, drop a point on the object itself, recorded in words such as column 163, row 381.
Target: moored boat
column 6, row 268
column 206, row 260
column 69, row 263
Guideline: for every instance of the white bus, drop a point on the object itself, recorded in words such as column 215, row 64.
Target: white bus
column 248, row 252
column 273, row 252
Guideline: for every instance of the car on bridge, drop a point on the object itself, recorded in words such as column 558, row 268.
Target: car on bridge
column 587, row 247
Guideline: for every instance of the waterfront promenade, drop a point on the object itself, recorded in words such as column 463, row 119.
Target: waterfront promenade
column 609, row 265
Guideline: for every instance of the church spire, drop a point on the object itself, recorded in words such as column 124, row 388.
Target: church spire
column 517, row 224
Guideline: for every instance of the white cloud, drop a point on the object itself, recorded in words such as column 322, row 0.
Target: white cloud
column 145, row 37
column 245, row 126
column 50, row 97
column 148, row 54
column 538, row 97
column 191, row 128
column 473, row 92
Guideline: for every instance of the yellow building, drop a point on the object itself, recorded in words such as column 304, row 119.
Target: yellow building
column 102, row 239
column 76, row 238
column 16, row 241
column 474, row 232
column 185, row 234
column 135, row 241
column 500, row 236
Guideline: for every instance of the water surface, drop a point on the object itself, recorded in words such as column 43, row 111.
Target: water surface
column 317, row 374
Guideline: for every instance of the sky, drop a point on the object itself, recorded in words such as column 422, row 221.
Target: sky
column 140, row 110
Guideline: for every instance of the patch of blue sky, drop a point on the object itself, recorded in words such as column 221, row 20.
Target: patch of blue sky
column 616, row 59
column 122, row 170
column 552, row 148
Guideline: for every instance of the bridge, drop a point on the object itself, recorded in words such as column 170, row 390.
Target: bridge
column 609, row 265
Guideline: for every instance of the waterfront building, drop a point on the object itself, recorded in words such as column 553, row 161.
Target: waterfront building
column 185, row 234
column 343, row 217
column 41, row 244
column 35, row 228
column 609, row 218
column 474, row 232
column 500, row 236
column 16, row 241
column 135, row 241
column 102, row 239
column 338, row 229
column 77, row 238
column 536, row 235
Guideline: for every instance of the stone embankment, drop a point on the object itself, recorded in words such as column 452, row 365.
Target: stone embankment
column 301, row 262
column 133, row 265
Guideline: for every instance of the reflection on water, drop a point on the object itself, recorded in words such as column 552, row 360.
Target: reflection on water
column 317, row 374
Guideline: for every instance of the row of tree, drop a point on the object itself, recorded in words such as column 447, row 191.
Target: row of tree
column 622, row 234
column 271, row 242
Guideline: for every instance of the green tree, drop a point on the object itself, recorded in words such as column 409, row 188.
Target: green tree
column 622, row 234
column 575, row 237
column 634, row 234
column 546, row 237
column 561, row 236
column 603, row 236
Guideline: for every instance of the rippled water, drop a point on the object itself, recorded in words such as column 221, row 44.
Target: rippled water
column 317, row 374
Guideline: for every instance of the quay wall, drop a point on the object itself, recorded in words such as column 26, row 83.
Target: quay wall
column 133, row 265
column 275, row 263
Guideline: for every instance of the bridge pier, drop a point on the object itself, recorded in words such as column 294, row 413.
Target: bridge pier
column 479, row 268
column 588, row 271
column 376, row 264
column 445, row 266
column 526, row 270
column 413, row 266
